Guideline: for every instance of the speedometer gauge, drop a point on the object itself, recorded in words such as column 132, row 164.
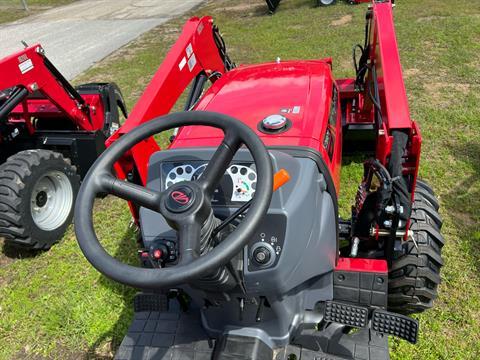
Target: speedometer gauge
column 179, row 173
column 244, row 182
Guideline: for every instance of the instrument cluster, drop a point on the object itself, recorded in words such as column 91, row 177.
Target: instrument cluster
column 237, row 186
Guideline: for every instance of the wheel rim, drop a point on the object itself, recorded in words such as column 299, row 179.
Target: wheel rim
column 327, row 2
column 51, row 200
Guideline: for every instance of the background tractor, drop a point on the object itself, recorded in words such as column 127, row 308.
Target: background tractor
column 50, row 134
column 273, row 4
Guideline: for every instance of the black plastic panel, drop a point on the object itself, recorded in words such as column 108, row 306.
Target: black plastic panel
column 173, row 334
column 242, row 347
column 272, row 232
column 166, row 335
column 361, row 288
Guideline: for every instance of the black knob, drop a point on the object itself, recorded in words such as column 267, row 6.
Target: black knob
column 262, row 255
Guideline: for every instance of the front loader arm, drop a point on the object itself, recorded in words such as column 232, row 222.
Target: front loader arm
column 380, row 99
column 199, row 51
column 30, row 70
column 379, row 91
column 385, row 74
column 194, row 52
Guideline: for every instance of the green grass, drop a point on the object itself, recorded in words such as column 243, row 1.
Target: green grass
column 55, row 305
column 11, row 10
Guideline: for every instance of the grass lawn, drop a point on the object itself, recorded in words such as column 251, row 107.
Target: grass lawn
column 11, row 10
column 54, row 305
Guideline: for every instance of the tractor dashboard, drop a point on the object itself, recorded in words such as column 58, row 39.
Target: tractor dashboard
column 237, row 186
column 287, row 245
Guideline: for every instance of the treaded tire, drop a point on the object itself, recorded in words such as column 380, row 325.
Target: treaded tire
column 426, row 197
column 415, row 274
column 19, row 176
column 326, row 2
column 421, row 211
column 421, row 184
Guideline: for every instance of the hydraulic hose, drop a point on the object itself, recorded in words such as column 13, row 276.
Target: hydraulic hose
column 16, row 98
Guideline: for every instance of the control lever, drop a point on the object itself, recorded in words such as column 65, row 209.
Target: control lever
column 261, row 304
column 280, row 178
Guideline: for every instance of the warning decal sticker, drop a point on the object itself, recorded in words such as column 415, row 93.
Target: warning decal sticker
column 189, row 50
column 182, row 63
column 25, row 66
column 192, row 62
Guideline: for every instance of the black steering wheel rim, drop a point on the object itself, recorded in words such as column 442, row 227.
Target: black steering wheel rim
column 99, row 178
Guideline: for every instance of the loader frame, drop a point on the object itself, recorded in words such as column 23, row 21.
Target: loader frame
column 40, row 109
column 374, row 104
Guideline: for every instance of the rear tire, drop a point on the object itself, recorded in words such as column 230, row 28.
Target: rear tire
column 415, row 273
column 272, row 5
column 37, row 195
column 326, row 2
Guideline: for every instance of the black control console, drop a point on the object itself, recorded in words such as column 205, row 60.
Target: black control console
column 159, row 253
column 266, row 247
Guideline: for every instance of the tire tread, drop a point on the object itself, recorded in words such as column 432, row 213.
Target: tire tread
column 415, row 274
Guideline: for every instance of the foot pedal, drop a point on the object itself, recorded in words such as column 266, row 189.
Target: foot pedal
column 150, row 302
column 346, row 314
column 395, row 324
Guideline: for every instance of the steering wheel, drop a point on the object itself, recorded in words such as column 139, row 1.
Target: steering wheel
column 185, row 205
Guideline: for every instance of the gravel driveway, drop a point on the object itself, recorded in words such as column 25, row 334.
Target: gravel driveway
column 77, row 35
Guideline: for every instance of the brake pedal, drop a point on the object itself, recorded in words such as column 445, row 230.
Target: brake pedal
column 346, row 314
column 395, row 324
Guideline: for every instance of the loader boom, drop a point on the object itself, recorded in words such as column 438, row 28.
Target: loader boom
column 198, row 52
column 31, row 70
column 376, row 99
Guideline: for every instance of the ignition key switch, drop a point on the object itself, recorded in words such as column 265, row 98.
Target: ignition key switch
column 263, row 254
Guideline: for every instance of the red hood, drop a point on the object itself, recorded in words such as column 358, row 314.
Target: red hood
column 300, row 90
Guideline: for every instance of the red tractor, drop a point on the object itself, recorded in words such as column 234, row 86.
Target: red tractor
column 50, row 134
column 243, row 254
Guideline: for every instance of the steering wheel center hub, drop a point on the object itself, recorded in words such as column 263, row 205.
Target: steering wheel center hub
column 180, row 198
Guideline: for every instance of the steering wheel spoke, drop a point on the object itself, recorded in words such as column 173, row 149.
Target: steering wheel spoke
column 220, row 161
column 131, row 192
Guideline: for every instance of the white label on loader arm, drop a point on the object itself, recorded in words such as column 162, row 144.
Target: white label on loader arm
column 25, row 66
column 189, row 50
column 182, row 63
column 192, row 62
